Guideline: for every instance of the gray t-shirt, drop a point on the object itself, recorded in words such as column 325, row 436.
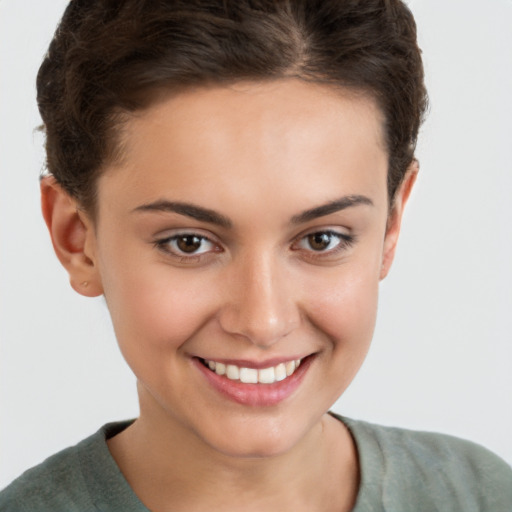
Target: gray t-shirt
column 401, row 471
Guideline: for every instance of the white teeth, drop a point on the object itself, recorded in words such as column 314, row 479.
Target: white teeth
column 280, row 371
column 266, row 376
column 252, row 375
column 290, row 367
column 249, row 375
column 232, row 372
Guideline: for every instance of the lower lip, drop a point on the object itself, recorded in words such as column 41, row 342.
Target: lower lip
column 256, row 395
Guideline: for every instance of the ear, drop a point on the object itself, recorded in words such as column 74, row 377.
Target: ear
column 395, row 217
column 73, row 237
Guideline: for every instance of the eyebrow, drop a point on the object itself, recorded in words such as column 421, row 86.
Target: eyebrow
column 331, row 207
column 206, row 215
column 189, row 210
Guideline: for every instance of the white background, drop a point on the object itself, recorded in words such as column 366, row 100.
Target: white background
column 442, row 353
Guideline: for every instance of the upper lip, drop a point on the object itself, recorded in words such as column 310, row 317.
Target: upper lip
column 246, row 363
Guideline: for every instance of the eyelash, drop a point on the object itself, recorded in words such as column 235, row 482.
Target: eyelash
column 169, row 245
column 344, row 242
column 166, row 245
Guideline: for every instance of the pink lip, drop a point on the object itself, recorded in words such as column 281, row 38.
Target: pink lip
column 256, row 395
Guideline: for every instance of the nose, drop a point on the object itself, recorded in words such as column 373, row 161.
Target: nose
column 261, row 306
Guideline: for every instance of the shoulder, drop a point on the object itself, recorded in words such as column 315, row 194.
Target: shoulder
column 56, row 482
column 430, row 470
column 63, row 482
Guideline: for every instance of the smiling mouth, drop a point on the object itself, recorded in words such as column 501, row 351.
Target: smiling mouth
column 244, row 375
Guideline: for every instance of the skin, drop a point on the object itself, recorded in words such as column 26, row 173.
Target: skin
column 259, row 155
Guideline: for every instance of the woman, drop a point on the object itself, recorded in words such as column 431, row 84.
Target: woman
column 232, row 178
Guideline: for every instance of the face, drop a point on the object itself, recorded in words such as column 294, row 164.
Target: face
column 245, row 231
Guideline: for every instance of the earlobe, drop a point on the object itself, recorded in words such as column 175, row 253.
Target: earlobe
column 395, row 217
column 72, row 235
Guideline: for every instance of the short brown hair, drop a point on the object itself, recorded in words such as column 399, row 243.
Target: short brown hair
column 109, row 56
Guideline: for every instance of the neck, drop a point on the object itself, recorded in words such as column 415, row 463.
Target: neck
column 170, row 467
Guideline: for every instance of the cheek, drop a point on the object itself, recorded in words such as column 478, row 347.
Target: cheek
column 344, row 309
column 154, row 306
column 344, row 305
column 346, row 315
column 348, row 319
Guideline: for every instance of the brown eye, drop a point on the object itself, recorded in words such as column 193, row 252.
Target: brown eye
column 320, row 241
column 325, row 243
column 189, row 243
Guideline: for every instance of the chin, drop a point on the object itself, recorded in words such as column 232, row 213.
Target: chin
column 257, row 437
column 263, row 447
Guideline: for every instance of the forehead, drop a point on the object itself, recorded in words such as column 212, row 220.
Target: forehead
column 213, row 142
